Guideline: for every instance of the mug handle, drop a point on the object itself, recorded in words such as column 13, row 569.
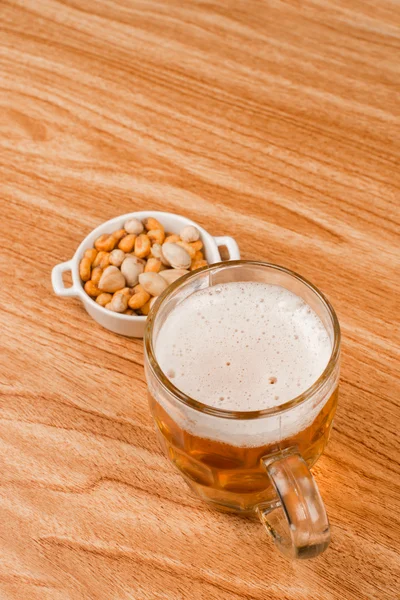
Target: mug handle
column 231, row 244
column 297, row 520
column 57, row 280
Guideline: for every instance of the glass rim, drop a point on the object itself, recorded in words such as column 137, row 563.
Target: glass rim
column 232, row 414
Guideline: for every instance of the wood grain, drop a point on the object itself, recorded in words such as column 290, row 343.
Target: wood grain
column 274, row 121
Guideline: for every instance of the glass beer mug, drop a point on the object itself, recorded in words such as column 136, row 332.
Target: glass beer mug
column 268, row 473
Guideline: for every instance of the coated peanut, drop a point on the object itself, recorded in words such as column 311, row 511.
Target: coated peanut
column 91, row 254
column 92, row 289
column 196, row 264
column 85, row 269
column 96, row 275
column 119, row 234
column 156, row 236
column 152, row 223
column 197, row 245
column 142, row 245
column 102, row 260
column 153, row 265
column 191, row 251
column 105, row 243
column 145, row 308
column 139, row 298
column 127, row 243
column 104, row 298
column 172, row 239
column 198, row 255
column 189, row 234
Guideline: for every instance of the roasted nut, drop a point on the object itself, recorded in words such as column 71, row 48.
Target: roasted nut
column 105, row 261
column 189, row 234
column 104, row 299
column 134, row 264
column 198, row 255
column 105, row 243
column 131, row 271
column 196, row 264
column 91, row 254
column 156, row 251
column 92, row 289
column 176, row 256
column 98, row 257
column 139, row 298
column 111, row 280
column 152, row 283
column 119, row 234
column 134, row 226
column 172, row 239
column 171, row 275
column 191, row 251
column 127, row 291
column 156, row 236
column 102, row 260
column 117, row 257
column 197, row 245
column 152, row 223
column 127, row 243
column 85, row 269
column 145, row 308
column 119, row 302
column 153, row 265
column 142, row 245
column 139, row 261
column 96, row 275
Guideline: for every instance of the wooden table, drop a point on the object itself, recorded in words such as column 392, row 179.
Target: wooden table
column 275, row 122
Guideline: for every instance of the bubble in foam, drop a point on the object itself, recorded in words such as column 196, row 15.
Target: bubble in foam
column 274, row 353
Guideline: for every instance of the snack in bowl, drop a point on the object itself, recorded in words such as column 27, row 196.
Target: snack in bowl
column 132, row 321
column 128, row 268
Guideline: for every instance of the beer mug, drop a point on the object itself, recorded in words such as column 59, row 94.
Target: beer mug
column 251, row 462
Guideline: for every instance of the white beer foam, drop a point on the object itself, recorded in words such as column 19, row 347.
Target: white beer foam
column 243, row 346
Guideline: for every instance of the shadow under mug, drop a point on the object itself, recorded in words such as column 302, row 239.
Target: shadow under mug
column 254, row 462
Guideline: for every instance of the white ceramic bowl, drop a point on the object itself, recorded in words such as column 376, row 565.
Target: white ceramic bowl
column 132, row 326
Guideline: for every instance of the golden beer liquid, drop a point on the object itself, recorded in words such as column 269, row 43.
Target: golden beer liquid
column 234, row 478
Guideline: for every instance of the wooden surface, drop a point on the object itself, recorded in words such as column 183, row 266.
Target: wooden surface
column 276, row 122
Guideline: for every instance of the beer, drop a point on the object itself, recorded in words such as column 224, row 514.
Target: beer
column 241, row 347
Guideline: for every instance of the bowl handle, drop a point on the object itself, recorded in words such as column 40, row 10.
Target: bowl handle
column 231, row 244
column 57, row 280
